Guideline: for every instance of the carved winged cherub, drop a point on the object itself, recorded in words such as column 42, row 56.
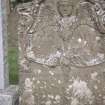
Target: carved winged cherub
column 67, row 32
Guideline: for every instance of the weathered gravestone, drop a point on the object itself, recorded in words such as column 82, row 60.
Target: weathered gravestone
column 8, row 94
column 62, row 52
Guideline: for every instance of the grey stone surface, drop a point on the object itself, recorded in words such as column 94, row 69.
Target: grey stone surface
column 9, row 96
column 62, row 52
column 3, row 46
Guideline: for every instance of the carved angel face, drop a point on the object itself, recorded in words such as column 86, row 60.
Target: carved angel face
column 64, row 7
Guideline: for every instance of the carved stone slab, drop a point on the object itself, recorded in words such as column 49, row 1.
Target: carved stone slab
column 62, row 52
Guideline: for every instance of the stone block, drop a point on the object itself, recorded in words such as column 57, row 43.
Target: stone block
column 9, row 96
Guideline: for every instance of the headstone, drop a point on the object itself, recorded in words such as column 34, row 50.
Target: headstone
column 7, row 93
column 62, row 52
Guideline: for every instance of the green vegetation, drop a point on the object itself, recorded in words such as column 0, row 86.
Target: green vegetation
column 13, row 65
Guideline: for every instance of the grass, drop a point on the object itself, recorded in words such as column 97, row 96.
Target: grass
column 13, row 48
column 13, row 65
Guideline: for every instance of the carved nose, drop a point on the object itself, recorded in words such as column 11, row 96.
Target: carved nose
column 31, row 29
